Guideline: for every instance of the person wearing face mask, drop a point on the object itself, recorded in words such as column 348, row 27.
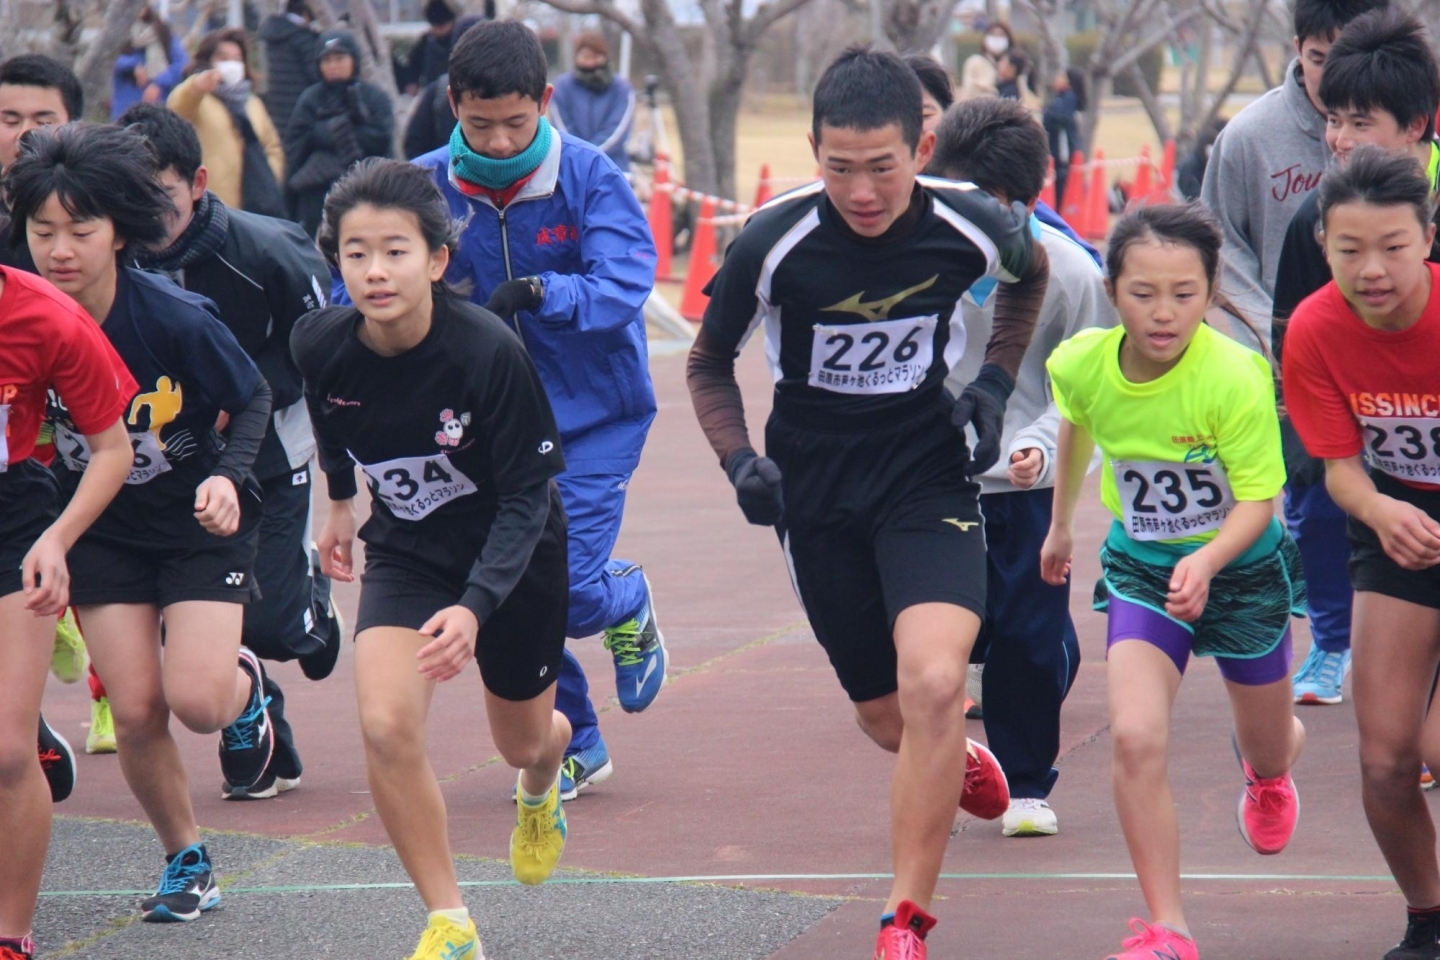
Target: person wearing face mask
column 240, row 145
column 979, row 77
column 336, row 122
column 592, row 103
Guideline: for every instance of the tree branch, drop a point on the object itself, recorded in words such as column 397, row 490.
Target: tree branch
column 603, row 8
column 1148, row 101
column 1143, row 46
column 765, row 17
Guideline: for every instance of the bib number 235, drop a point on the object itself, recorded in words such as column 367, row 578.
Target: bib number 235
column 1164, row 501
column 891, row 356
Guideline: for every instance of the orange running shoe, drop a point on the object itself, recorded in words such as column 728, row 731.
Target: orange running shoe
column 904, row 938
column 1155, row 943
column 987, row 793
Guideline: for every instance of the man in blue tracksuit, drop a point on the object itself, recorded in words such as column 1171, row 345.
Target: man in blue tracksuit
column 591, row 103
column 556, row 244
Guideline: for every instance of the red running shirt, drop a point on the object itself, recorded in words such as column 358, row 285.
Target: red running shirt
column 1352, row 389
column 47, row 340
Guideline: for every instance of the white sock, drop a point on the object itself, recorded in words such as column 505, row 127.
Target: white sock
column 460, row 916
column 530, row 799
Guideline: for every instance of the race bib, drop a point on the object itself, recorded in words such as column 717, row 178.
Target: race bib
column 1404, row 447
column 148, row 464
column 1163, row 500
column 4, row 437
column 414, row 487
column 891, row 356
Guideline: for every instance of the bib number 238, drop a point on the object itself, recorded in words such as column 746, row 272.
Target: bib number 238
column 891, row 356
column 1165, row 501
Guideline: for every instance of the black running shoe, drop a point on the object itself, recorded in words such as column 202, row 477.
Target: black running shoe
column 266, row 787
column 246, row 745
column 187, row 888
column 1422, row 939
column 321, row 663
column 57, row 760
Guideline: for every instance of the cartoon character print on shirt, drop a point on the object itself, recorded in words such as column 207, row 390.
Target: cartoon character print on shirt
column 149, row 414
column 452, row 428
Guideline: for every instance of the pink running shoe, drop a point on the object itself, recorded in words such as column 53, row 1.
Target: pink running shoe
column 987, row 793
column 904, row 939
column 1269, row 809
column 1155, row 943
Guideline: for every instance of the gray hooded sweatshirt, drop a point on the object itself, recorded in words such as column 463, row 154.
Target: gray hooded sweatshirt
column 1264, row 164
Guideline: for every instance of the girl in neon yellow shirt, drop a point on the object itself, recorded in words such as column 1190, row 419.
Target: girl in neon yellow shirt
column 1195, row 561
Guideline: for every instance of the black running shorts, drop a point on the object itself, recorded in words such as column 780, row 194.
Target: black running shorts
column 29, row 503
column 877, row 520
column 520, row 647
column 1371, row 568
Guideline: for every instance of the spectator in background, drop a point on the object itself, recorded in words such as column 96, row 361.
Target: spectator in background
column 978, row 76
column 337, row 121
column 936, row 93
column 150, row 65
column 591, row 103
column 1067, row 99
column 240, row 145
column 292, row 58
column 431, row 56
column 1190, row 174
column 1012, row 78
column 431, row 119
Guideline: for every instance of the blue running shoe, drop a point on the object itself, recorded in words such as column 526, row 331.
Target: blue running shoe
column 640, row 655
column 246, row 745
column 1321, row 676
column 590, row 766
column 187, row 888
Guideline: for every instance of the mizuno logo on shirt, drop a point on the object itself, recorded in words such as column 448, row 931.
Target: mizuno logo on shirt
column 964, row 525
column 876, row 310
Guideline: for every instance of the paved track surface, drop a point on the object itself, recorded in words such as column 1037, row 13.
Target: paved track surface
column 748, row 770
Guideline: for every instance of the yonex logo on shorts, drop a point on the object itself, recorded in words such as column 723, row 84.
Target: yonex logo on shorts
column 964, row 525
column 235, row 579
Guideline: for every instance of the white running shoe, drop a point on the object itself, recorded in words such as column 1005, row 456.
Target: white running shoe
column 1029, row 817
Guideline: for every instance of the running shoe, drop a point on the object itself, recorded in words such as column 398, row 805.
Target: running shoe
column 101, row 738
column 1321, row 676
column 1269, row 809
column 246, row 745
column 266, row 787
column 904, row 937
column 1427, row 779
column 538, row 839
column 1029, row 817
column 580, row 770
column 1422, row 938
column 986, row 793
column 69, row 660
column 974, row 704
column 187, row 888
column 321, row 663
column 639, row 651
column 57, row 760
column 1155, row 943
column 446, row 940
column 21, row 949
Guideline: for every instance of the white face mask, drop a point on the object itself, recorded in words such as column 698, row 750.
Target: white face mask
column 996, row 44
column 231, row 71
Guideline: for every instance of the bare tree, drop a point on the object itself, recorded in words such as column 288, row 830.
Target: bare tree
column 914, row 26
column 706, row 95
column 95, row 64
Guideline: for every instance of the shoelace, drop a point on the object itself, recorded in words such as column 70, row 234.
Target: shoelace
column 178, row 874
column 240, row 735
column 976, row 774
column 903, row 944
column 624, row 642
column 1271, row 795
column 533, row 823
column 1030, row 803
column 571, row 769
column 1331, row 669
column 50, row 756
column 1145, row 935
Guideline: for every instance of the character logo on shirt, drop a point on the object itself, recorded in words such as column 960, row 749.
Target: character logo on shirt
column 876, row 310
column 546, row 446
column 164, row 403
column 1201, row 453
column 452, row 428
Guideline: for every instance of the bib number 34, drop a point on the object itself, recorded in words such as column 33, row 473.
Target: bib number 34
column 414, row 487
column 1164, row 501
column 891, row 356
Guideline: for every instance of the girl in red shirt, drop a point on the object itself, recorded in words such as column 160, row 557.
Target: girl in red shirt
column 46, row 342
column 1362, row 390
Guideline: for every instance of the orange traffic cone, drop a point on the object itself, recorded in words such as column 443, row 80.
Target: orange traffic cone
column 1142, row 190
column 1166, row 185
column 1075, row 209
column 702, row 264
column 661, row 224
column 1097, row 217
column 763, row 192
column 1047, row 192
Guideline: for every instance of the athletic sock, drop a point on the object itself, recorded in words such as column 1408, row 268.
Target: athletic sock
column 1174, row 929
column 887, row 920
column 1423, row 911
column 21, row 945
column 460, row 916
column 530, row 799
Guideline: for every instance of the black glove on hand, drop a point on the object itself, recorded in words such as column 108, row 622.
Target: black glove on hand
column 757, row 488
column 1301, row 469
column 512, row 296
column 982, row 403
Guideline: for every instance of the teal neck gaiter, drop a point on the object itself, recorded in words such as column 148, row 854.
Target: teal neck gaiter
column 498, row 174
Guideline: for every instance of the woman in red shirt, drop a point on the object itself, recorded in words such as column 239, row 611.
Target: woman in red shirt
column 1362, row 389
column 46, row 342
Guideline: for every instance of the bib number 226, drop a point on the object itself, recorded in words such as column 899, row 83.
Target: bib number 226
column 891, row 356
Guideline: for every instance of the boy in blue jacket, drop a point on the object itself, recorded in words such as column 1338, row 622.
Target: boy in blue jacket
column 556, row 244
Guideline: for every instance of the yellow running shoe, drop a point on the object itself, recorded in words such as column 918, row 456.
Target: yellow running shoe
column 538, row 839
column 444, row 940
column 101, row 738
column 69, row 661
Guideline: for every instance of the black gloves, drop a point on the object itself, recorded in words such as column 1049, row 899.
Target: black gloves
column 757, row 487
column 512, row 296
column 982, row 403
column 1301, row 469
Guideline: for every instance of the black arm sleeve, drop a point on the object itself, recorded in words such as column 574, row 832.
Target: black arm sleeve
column 1301, row 271
column 517, row 528
column 242, row 441
column 335, row 460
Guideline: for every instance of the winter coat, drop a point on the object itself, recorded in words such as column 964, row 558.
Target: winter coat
column 334, row 124
column 292, row 57
column 221, row 145
column 125, row 92
column 431, row 120
column 602, row 119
